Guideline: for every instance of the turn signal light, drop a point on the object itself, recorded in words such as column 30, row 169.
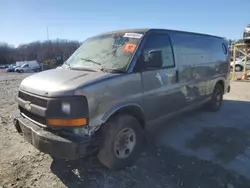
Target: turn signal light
column 67, row 122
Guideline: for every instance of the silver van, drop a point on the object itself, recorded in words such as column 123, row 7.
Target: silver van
column 114, row 85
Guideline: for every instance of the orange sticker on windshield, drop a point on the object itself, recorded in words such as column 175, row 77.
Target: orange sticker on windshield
column 130, row 48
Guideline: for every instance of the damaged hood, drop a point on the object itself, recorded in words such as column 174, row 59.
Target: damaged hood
column 59, row 82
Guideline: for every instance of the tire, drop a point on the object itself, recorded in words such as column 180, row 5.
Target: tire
column 238, row 68
column 216, row 99
column 109, row 154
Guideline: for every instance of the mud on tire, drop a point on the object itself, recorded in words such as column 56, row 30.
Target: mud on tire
column 112, row 134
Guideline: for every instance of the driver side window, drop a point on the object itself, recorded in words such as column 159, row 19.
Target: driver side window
column 160, row 43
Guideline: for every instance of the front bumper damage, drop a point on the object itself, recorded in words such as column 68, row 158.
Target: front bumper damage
column 69, row 146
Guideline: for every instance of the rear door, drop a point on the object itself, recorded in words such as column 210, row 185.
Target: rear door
column 160, row 85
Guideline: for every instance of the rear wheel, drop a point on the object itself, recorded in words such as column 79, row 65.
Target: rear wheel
column 121, row 144
column 216, row 99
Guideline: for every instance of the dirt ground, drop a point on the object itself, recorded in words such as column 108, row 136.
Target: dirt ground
column 196, row 150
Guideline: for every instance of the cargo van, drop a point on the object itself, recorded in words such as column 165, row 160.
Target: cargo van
column 116, row 84
column 27, row 66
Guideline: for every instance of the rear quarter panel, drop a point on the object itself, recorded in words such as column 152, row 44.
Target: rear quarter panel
column 203, row 60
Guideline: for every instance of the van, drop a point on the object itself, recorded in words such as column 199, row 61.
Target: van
column 28, row 66
column 240, row 63
column 116, row 84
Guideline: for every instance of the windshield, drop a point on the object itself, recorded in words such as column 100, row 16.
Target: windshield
column 110, row 51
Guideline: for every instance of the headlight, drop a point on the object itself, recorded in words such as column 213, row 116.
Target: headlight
column 66, row 108
column 67, row 111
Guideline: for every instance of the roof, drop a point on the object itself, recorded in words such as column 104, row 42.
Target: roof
column 144, row 30
column 125, row 31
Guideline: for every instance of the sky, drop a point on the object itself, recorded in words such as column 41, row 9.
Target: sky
column 24, row 21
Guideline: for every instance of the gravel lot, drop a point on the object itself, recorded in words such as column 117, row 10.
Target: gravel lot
column 198, row 150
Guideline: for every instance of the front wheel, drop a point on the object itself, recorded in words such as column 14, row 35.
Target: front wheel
column 122, row 138
column 216, row 99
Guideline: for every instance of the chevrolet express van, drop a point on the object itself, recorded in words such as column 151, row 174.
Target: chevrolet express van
column 113, row 86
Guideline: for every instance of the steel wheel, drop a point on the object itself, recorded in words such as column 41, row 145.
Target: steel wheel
column 218, row 98
column 124, row 143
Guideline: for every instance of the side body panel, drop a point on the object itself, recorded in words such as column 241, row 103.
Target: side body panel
column 161, row 93
column 191, row 87
column 219, row 67
column 161, row 89
column 203, row 61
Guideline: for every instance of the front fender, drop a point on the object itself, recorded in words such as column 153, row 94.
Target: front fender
column 121, row 107
column 97, row 122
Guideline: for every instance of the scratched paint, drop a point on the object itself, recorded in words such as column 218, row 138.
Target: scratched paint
column 163, row 78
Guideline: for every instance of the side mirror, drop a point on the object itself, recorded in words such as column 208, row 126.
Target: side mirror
column 155, row 59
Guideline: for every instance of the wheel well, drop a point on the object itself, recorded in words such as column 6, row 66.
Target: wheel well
column 134, row 111
column 238, row 65
column 222, row 84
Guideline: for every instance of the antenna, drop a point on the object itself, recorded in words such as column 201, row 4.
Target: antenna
column 47, row 31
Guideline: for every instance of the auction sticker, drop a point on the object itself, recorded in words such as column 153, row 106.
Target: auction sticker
column 130, row 48
column 133, row 35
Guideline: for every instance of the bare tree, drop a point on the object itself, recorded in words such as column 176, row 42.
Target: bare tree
column 40, row 51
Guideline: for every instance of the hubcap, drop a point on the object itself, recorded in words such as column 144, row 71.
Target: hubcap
column 237, row 68
column 124, row 143
column 218, row 98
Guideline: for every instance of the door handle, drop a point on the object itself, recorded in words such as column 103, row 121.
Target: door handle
column 177, row 76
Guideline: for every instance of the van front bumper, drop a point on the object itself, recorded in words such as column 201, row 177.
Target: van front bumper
column 67, row 147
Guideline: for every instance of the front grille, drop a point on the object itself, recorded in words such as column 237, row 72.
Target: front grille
column 34, row 117
column 32, row 99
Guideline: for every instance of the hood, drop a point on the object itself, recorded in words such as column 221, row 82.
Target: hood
column 59, row 82
column 236, row 62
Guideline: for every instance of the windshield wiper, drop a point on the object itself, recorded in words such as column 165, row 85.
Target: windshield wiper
column 97, row 63
column 90, row 60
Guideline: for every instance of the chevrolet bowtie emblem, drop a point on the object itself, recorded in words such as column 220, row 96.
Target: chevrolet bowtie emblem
column 27, row 105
